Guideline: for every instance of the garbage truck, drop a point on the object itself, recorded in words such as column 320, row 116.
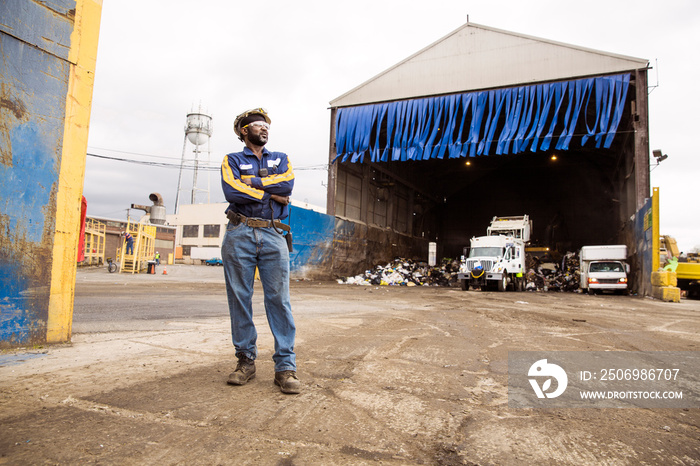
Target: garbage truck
column 603, row 268
column 497, row 261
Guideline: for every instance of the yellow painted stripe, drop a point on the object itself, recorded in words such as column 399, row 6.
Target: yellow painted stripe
column 280, row 177
column 81, row 60
column 236, row 184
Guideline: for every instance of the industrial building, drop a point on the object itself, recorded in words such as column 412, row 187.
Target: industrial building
column 198, row 226
column 484, row 123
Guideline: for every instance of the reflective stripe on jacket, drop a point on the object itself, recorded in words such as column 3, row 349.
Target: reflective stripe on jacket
column 254, row 201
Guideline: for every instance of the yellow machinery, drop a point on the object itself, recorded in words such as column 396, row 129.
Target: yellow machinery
column 687, row 273
column 94, row 242
column 144, row 248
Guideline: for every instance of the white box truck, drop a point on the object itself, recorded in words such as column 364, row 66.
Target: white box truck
column 603, row 268
column 205, row 253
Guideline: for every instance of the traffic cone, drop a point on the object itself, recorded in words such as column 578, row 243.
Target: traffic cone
column 165, row 270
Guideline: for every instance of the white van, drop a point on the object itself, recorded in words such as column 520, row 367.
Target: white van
column 603, row 268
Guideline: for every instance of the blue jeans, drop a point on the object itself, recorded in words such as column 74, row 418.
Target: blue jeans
column 244, row 248
column 130, row 247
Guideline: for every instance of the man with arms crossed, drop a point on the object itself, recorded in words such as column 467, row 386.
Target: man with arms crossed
column 257, row 184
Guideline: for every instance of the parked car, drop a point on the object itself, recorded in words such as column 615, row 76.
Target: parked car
column 214, row 261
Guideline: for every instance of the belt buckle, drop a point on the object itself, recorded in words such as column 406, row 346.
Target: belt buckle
column 257, row 223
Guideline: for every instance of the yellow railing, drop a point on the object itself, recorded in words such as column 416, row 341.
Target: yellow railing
column 144, row 248
column 94, row 242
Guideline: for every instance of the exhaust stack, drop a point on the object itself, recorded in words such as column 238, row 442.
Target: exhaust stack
column 156, row 211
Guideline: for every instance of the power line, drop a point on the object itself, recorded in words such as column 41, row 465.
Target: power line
column 186, row 165
column 137, row 153
column 140, row 162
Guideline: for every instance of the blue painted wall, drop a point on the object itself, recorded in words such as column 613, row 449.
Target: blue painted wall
column 34, row 76
column 328, row 247
column 312, row 234
column 644, row 249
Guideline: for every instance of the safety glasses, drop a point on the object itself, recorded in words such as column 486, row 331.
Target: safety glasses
column 258, row 124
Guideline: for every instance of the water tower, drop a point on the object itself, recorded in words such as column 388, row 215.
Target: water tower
column 198, row 130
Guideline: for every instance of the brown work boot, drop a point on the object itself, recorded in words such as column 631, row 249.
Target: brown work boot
column 288, row 382
column 245, row 370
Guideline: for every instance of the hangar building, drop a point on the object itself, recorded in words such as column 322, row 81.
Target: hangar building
column 484, row 123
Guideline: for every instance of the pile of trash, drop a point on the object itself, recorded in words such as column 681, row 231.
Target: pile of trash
column 406, row 272
column 543, row 274
column 553, row 276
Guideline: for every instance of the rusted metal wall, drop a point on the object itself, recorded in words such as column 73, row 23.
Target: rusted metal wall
column 357, row 247
column 48, row 61
column 327, row 246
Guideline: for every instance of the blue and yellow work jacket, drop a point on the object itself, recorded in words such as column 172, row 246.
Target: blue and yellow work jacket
column 254, row 201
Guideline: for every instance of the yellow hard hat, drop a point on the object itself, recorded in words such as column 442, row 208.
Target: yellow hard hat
column 238, row 122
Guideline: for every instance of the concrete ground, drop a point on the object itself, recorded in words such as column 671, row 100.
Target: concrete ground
column 392, row 375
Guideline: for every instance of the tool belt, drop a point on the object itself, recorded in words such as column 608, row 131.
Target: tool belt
column 252, row 222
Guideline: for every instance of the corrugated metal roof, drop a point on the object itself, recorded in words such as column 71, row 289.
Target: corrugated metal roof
column 479, row 57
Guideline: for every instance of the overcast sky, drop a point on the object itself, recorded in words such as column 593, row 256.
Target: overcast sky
column 160, row 60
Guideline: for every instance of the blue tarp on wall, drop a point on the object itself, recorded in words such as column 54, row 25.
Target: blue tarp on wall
column 643, row 236
column 312, row 238
column 499, row 121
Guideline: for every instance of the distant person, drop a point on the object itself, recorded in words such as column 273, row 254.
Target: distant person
column 257, row 184
column 157, row 258
column 129, row 243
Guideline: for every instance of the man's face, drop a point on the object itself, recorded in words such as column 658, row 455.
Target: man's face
column 257, row 133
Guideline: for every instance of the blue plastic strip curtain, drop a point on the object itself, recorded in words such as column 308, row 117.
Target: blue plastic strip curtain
column 500, row 121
